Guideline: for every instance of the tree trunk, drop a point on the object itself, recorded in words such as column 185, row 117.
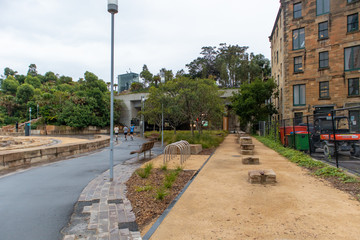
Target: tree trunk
column 174, row 130
column 192, row 128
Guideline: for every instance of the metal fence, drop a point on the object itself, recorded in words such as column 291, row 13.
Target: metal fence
column 332, row 136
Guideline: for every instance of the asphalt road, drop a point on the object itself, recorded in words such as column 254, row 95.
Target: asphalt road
column 344, row 159
column 37, row 203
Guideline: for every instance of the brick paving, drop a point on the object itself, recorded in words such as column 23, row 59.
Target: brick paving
column 102, row 211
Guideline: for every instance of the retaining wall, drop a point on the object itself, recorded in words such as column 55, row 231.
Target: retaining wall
column 10, row 159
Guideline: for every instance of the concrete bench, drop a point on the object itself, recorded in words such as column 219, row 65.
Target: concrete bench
column 144, row 148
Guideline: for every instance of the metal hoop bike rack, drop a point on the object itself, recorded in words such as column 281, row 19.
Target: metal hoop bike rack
column 172, row 150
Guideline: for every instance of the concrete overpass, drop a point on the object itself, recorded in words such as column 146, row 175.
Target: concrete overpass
column 132, row 105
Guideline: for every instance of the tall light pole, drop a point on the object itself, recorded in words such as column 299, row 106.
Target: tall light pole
column 113, row 9
column 30, row 122
column 142, row 116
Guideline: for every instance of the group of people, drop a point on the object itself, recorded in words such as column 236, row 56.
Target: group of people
column 126, row 130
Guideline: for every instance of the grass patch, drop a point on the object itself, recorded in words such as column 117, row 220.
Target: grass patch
column 145, row 172
column 161, row 193
column 144, row 188
column 208, row 139
column 335, row 172
column 320, row 169
column 164, row 167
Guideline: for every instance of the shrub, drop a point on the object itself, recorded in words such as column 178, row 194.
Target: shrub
column 143, row 188
column 145, row 172
column 161, row 193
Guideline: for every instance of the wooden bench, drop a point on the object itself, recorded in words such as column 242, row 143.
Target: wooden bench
column 144, row 147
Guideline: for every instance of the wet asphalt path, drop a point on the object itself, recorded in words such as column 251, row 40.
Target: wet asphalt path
column 37, row 203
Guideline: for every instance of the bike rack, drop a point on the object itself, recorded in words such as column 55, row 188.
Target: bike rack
column 172, row 150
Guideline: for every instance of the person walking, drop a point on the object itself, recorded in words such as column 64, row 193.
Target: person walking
column 116, row 130
column 132, row 127
column 126, row 129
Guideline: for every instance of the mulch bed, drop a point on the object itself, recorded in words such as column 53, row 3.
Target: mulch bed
column 145, row 206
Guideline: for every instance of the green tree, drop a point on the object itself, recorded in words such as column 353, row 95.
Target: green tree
column 9, row 72
column 10, row 85
column 250, row 102
column 9, row 103
column 146, row 75
column 32, row 70
column 136, row 86
column 33, row 81
column 24, row 93
column 50, row 77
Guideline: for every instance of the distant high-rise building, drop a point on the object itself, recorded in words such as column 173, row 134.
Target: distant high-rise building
column 125, row 81
column 315, row 56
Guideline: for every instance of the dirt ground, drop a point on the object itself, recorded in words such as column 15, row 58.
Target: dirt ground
column 222, row 204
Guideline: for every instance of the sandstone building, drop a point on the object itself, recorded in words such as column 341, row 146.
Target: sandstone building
column 315, row 56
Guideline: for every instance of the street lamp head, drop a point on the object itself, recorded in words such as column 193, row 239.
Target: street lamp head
column 112, row 6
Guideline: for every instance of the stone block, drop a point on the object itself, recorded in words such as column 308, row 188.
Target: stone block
column 245, row 140
column 195, row 148
column 48, row 151
column 247, row 146
column 2, row 163
column 262, row 176
column 13, row 157
column 250, row 160
column 247, row 152
column 32, row 153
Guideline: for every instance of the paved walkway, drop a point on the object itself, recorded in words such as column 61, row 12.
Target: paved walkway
column 221, row 204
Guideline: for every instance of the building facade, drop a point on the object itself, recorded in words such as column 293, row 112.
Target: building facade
column 315, row 56
column 125, row 80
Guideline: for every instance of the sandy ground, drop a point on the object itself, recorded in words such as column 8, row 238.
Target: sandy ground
column 35, row 142
column 194, row 162
column 222, row 204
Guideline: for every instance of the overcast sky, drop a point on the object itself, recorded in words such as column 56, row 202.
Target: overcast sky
column 70, row 37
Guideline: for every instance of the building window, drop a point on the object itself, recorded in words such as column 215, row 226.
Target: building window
column 323, row 30
column 353, row 22
column 298, row 116
column 299, row 95
column 298, row 66
column 322, row 7
column 352, row 58
column 323, row 59
column 277, row 56
column 297, row 10
column 353, row 86
column 298, row 38
column 324, row 90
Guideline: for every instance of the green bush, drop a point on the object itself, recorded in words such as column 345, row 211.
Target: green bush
column 145, row 172
column 144, row 188
column 161, row 193
column 208, row 139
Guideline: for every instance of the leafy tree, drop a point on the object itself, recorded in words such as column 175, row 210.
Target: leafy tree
column 32, row 70
column 146, row 75
column 9, row 72
column 249, row 103
column 20, row 78
column 136, row 86
column 231, row 59
column 10, row 85
column 168, row 74
column 50, row 77
column 33, row 81
column 64, row 79
column 24, row 93
column 9, row 103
